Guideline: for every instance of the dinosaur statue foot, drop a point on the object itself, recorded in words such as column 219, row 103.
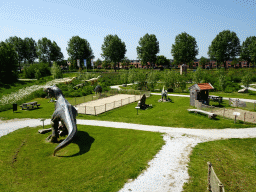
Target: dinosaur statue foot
column 43, row 131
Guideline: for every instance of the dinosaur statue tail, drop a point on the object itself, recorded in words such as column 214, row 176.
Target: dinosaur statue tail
column 66, row 141
column 72, row 130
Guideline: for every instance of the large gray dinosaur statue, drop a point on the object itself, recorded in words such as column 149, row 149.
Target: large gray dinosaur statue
column 64, row 113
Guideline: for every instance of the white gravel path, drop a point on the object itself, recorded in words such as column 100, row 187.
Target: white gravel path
column 167, row 171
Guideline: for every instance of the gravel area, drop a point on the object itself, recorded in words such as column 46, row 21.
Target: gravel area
column 167, row 171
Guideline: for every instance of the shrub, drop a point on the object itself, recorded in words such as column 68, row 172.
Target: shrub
column 56, row 71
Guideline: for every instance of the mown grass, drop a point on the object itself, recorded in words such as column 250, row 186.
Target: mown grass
column 173, row 114
column 233, row 160
column 99, row 159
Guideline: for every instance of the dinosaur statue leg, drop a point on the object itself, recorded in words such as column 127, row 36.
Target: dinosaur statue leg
column 55, row 134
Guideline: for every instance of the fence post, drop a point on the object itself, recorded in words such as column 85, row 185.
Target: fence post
column 209, row 174
column 95, row 110
column 220, row 187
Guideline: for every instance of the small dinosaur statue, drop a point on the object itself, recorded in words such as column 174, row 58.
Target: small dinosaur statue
column 65, row 113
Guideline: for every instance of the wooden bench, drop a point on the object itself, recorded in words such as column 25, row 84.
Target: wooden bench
column 210, row 115
column 30, row 105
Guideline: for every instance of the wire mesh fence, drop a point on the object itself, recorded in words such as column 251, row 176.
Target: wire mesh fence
column 98, row 109
column 234, row 109
column 214, row 184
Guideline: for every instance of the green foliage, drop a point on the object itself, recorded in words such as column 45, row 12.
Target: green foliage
column 170, row 79
column 32, row 71
column 56, row 71
column 113, row 49
column 30, row 50
column 185, row 48
column 203, row 61
column 247, row 79
column 226, row 45
column 125, row 63
column 97, row 63
column 37, row 74
column 148, row 48
column 8, row 63
column 247, row 49
column 162, row 61
column 198, row 75
column 152, row 78
column 124, row 77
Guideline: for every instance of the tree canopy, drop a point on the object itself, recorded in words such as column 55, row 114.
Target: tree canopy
column 48, row 51
column 148, row 48
column 162, row 61
column 184, row 50
column 79, row 48
column 203, row 61
column 247, row 49
column 225, row 46
column 30, row 50
column 113, row 49
column 8, row 63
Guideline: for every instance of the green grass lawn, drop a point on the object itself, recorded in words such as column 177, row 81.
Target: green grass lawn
column 99, row 159
column 233, row 160
column 173, row 114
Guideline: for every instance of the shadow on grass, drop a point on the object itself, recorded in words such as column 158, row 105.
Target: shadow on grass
column 84, row 141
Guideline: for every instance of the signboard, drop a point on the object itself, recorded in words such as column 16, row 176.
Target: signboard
column 78, row 62
column 236, row 113
column 85, row 62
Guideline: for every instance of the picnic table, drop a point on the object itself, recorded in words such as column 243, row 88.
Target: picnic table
column 215, row 98
column 30, row 105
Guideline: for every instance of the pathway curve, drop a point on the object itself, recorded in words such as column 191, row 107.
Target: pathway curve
column 167, row 171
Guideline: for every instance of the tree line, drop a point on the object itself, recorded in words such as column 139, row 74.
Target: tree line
column 225, row 46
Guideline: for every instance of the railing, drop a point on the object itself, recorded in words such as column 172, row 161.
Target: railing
column 214, row 184
column 95, row 110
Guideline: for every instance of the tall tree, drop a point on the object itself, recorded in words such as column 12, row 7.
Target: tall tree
column 8, row 62
column 149, row 47
column 44, row 50
column 185, row 48
column 113, row 49
column 162, row 61
column 48, row 51
column 19, row 47
column 56, row 54
column 30, row 50
column 225, row 46
column 79, row 48
column 247, row 49
column 203, row 61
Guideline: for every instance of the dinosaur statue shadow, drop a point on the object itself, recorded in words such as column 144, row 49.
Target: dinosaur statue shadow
column 84, row 141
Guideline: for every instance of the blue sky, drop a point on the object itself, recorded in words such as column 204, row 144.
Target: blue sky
column 59, row 20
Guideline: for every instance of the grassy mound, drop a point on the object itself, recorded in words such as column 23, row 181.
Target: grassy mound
column 99, row 159
column 233, row 160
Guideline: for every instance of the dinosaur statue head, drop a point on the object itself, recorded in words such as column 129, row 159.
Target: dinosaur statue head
column 53, row 91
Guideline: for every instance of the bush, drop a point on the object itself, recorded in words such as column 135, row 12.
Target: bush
column 56, row 71
column 32, row 71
